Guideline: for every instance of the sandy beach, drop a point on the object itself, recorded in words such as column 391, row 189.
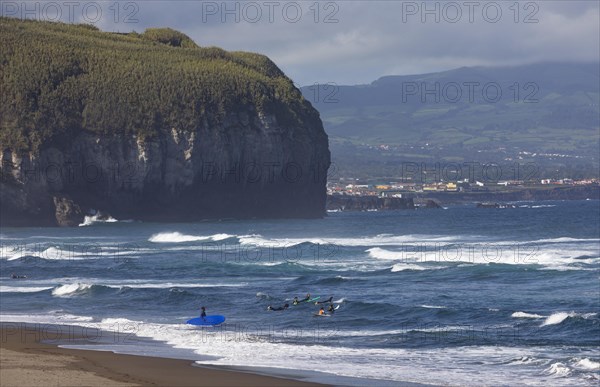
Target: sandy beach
column 26, row 361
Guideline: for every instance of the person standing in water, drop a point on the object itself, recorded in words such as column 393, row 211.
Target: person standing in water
column 203, row 313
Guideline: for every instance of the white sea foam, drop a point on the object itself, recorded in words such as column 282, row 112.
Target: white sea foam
column 379, row 253
column 73, row 318
column 493, row 253
column 587, row 364
column 90, row 220
column 23, row 289
column 70, row 289
column 177, row 237
column 257, row 347
column 526, row 315
column 433, row 307
column 406, row 266
column 558, row 369
column 559, row 317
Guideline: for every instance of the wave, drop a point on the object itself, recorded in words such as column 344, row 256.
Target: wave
column 523, row 360
column 565, row 240
column 559, row 317
column 338, row 279
column 169, row 285
column 405, row 266
column 526, row 315
column 379, row 253
column 492, row 253
column 558, row 369
column 23, row 289
column 587, row 364
column 80, row 288
column 71, row 290
column 177, row 237
column 15, row 255
column 537, row 206
column 433, row 307
column 373, row 241
column 93, row 219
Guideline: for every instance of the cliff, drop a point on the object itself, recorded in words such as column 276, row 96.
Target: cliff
column 150, row 127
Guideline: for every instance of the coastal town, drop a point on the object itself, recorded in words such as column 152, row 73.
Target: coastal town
column 400, row 189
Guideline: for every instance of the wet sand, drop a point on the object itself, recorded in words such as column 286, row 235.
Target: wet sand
column 25, row 361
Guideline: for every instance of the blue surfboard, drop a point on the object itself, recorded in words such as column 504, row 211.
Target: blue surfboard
column 207, row 321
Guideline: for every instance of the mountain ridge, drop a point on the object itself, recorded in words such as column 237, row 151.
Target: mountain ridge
column 467, row 114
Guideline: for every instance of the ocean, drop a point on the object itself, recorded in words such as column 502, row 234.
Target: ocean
column 455, row 296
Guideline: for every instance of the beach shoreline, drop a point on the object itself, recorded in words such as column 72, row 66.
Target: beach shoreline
column 30, row 355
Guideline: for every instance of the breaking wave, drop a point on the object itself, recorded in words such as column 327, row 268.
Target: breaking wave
column 177, row 237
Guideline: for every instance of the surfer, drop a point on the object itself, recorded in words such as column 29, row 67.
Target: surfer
column 203, row 313
column 324, row 302
column 296, row 301
column 321, row 311
column 331, row 308
column 14, row 276
column 284, row 307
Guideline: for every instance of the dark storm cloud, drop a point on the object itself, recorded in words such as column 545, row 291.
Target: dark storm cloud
column 358, row 41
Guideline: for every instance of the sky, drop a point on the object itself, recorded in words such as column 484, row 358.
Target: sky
column 356, row 42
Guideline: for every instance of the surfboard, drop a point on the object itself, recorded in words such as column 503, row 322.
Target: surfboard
column 207, row 321
column 321, row 315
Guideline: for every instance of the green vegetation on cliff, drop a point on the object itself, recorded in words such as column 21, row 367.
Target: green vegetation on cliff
column 58, row 79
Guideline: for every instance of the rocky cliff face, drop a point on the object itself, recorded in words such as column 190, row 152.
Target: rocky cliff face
column 250, row 166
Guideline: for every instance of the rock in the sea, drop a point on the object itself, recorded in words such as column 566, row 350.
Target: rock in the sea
column 67, row 212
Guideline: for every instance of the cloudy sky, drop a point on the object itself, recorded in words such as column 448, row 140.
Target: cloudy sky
column 352, row 42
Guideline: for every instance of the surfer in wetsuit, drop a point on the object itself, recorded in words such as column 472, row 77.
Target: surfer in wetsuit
column 203, row 313
column 324, row 302
column 297, row 301
column 284, row 307
column 331, row 308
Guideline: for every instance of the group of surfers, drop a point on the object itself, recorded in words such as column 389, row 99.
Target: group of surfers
column 330, row 308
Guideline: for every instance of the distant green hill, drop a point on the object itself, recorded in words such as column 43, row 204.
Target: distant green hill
column 550, row 108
